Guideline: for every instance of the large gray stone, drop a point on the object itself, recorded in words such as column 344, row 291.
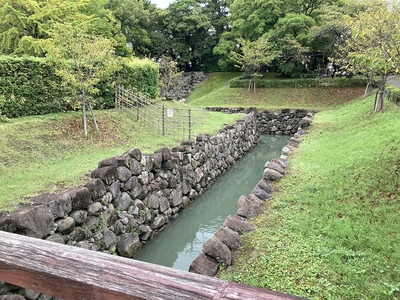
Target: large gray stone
column 272, row 175
column 248, row 208
column 238, row 224
column 275, row 165
column 97, row 188
column 158, row 222
column 109, row 238
column 66, row 225
column 59, row 204
column 176, row 198
column 136, row 154
column 204, row 265
column 229, row 237
column 128, row 245
column 108, row 174
column 260, row 193
column 81, row 197
column 218, row 251
column 123, row 174
column 95, row 209
column 79, row 216
column 153, row 201
column 35, row 221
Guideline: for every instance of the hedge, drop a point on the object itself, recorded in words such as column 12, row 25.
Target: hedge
column 30, row 86
column 392, row 93
column 298, row 83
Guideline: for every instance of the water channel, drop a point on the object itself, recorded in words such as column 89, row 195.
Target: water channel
column 183, row 238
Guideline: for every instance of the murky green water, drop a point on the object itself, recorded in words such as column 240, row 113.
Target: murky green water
column 182, row 240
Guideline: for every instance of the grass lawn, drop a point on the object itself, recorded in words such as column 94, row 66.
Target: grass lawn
column 216, row 92
column 332, row 229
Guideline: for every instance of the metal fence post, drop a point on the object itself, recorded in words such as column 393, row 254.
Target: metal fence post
column 190, row 126
column 163, row 120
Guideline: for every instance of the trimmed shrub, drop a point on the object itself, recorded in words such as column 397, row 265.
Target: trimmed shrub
column 30, row 86
column 392, row 93
column 299, row 83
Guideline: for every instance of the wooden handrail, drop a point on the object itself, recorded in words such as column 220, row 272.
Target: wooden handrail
column 76, row 273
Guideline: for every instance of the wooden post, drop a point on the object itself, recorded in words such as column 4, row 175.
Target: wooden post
column 190, row 126
column 75, row 273
column 163, row 120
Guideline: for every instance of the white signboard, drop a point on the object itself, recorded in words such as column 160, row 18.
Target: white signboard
column 170, row 112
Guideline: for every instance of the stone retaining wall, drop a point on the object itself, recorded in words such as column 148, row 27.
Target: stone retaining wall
column 285, row 122
column 218, row 250
column 133, row 196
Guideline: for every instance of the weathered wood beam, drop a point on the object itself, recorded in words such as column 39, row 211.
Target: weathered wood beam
column 76, row 273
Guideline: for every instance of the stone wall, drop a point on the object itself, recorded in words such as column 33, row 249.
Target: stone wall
column 182, row 86
column 133, row 196
column 218, row 250
column 285, row 122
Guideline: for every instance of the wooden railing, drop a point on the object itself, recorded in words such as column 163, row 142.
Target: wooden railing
column 75, row 273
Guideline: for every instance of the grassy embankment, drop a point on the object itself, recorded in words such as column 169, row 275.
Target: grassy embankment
column 332, row 230
column 50, row 153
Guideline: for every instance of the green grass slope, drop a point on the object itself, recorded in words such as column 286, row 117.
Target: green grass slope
column 215, row 92
column 332, row 229
column 50, row 153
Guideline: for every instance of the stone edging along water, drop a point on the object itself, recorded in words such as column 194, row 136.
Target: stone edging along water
column 217, row 251
column 133, row 196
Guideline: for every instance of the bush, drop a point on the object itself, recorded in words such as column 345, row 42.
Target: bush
column 30, row 86
column 299, row 83
column 392, row 93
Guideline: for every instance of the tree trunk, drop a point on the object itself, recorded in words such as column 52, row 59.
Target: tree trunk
column 368, row 90
column 93, row 117
column 84, row 113
column 379, row 99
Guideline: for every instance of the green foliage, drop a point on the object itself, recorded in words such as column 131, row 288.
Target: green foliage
column 140, row 75
column 28, row 22
column 30, row 86
column 393, row 94
column 372, row 45
column 299, row 83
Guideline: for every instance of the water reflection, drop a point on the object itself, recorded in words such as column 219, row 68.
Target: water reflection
column 182, row 240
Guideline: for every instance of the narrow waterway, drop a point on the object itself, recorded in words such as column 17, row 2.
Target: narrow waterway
column 182, row 240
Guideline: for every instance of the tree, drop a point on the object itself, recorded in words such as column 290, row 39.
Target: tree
column 134, row 22
column 83, row 60
column 25, row 23
column 373, row 45
column 188, row 28
column 254, row 56
column 291, row 37
column 169, row 70
column 250, row 19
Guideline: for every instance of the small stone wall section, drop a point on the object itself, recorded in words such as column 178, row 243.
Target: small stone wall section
column 218, row 250
column 285, row 122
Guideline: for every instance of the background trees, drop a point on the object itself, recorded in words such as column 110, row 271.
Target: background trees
column 373, row 45
column 201, row 34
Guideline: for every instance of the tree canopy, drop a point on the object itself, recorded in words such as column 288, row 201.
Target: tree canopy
column 197, row 34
